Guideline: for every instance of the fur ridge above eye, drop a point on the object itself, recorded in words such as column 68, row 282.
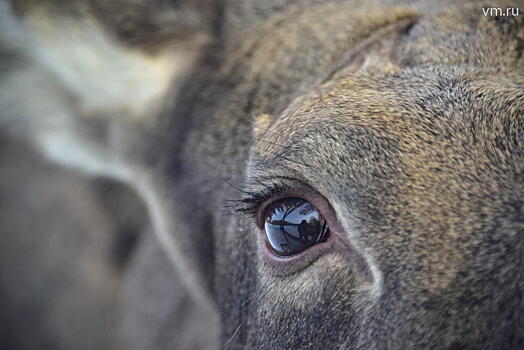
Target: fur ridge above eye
column 292, row 225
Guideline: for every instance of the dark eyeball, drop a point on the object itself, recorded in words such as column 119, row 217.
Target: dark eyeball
column 293, row 225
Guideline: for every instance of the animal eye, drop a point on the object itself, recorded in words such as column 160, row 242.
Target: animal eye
column 293, row 225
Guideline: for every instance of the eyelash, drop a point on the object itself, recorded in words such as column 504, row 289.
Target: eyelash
column 252, row 198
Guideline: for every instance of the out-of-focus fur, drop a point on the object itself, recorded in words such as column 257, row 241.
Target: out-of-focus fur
column 408, row 117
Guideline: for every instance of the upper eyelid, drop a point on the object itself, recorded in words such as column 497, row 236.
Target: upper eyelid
column 261, row 189
column 270, row 185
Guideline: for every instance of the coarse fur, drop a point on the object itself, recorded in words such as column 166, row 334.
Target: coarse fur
column 402, row 121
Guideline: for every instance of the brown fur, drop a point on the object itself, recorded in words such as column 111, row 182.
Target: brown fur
column 405, row 117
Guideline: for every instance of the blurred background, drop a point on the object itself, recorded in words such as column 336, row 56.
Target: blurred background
column 75, row 250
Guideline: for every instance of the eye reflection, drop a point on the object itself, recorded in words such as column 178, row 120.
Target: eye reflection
column 293, row 225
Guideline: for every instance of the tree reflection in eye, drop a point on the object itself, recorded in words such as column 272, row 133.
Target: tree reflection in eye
column 293, row 225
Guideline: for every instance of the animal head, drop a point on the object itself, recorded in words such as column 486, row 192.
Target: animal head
column 321, row 174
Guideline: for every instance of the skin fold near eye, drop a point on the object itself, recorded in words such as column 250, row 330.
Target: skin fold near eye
column 293, row 225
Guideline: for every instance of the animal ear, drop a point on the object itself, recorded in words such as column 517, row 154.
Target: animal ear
column 478, row 36
column 503, row 41
column 80, row 80
column 379, row 51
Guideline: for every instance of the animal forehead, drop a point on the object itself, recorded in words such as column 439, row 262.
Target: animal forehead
column 410, row 112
